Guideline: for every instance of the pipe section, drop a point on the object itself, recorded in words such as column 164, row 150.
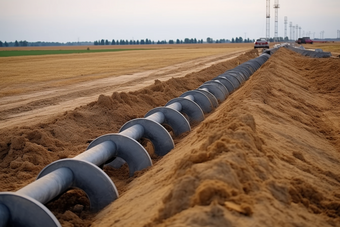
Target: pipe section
column 310, row 53
column 25, row 207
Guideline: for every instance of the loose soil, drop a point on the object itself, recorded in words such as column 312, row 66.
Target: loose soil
column 267, row 156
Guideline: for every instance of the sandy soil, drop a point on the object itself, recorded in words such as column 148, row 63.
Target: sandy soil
column 267, row 156
column 43, row 102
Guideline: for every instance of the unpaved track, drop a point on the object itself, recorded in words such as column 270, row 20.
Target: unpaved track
column 43, row 102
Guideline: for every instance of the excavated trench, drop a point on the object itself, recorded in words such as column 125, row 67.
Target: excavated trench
column 217, row 89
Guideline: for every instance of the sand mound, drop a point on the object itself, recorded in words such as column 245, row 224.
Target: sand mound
column 269, row 156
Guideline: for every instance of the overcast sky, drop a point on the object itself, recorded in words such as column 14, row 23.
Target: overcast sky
column 73, row 20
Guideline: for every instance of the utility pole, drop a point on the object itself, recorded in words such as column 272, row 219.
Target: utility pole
column 300, row 32
column 285, row 27
column 268, row 19
column 322, row 33
column 276, row 7
column 297, row 28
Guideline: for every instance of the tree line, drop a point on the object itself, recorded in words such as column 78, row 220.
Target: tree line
column 145, row 42
column 24, row 43
column 177, row 41
column 241, row 40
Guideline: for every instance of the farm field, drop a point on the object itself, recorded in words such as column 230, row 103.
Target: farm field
column 34, row 87
column 15, row 53
column 60, row 70
column 327, row 47
column 267, row 156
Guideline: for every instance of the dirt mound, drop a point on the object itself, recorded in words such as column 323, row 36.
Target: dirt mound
column 24, row 151
column 268, row 156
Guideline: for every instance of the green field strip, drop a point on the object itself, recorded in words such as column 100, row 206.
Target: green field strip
column 14, row 53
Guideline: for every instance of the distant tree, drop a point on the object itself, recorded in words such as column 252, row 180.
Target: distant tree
column 240, row 39
column 142, row 42
column 137, row 42
column 6, row 44
column 113, row 42
column 201, row 40
column 236, row 40
column 178, row 41
column 210, row 40
column 286, row 38
column 102, row 42
column 16, row 43
column 1, row 45
column 23, row 43
column 170, row 41
column 107, row 42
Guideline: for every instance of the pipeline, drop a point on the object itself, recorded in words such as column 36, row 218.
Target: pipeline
column 318, row 53
column 25, row 206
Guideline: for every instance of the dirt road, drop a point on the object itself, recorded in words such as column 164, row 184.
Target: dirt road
column 40, row 104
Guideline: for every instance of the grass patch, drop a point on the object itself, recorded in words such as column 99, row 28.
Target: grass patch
column 327, row 47
column 14, row 53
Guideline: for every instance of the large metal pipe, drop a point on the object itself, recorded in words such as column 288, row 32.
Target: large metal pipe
column 49, row 186
column 24, row 207
column 99, row 154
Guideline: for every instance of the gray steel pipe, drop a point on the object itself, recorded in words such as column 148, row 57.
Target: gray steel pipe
column 135, row 132
column 82, row 171
column 49, row 186
column 99, row 154
column 175, row 106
